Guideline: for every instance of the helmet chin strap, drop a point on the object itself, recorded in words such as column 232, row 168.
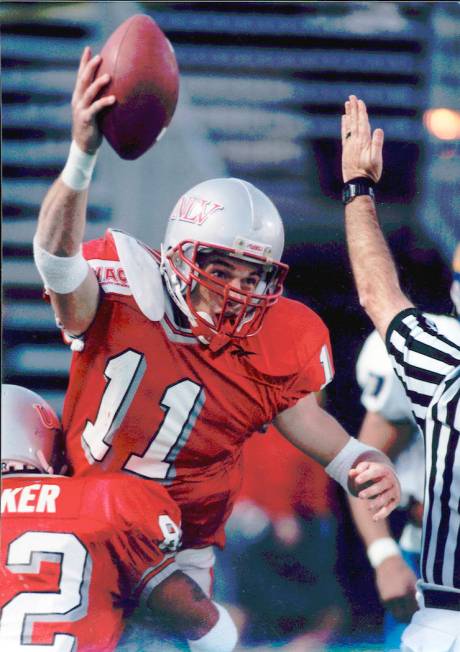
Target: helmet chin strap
column 203, row 334
column 218, row 341
column 175, row 289
column 206, row 316
column 46, row 467
column 214, row 341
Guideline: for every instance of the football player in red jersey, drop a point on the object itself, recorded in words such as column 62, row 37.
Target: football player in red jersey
column 77, row 552
column 180, row 355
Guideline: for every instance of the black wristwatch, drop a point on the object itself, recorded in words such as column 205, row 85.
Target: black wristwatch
column 356, row 187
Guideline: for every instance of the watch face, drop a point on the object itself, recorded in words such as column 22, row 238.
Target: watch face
column 352, row 190
column 347, row 195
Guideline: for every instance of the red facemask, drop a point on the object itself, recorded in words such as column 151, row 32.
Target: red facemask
column 248, row 308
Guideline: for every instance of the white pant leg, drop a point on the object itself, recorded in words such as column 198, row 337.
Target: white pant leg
column 198, row 563
column 432, row 630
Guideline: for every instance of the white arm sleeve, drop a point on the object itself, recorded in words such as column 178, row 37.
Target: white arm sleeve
column 62, row 274
column 222, row 637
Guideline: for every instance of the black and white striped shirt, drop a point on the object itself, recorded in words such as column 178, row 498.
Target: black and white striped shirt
column 428, row 365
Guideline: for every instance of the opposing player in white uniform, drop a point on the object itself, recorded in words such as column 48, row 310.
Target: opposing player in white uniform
column 389, row 425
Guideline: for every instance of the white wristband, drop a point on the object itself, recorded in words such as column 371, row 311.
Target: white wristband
column 62, row 274
column 79, row 168
column 381, row 549
column 339, row 467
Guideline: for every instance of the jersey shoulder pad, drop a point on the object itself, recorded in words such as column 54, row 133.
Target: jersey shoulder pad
column 292, row 336
column 126, row 266
column 142, row 274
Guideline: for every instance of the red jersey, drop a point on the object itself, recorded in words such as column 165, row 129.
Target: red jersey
column 147, row 398
column 74, row 552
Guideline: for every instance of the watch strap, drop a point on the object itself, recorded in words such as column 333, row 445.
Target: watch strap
column 356, row 187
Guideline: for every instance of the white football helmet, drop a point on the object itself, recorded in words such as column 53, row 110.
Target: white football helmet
column 30, row 431
column 236, row 219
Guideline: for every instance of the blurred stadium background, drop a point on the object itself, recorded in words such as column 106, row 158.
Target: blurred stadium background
column 262, row 91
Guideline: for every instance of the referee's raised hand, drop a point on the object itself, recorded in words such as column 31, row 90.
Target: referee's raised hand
column 361, row 149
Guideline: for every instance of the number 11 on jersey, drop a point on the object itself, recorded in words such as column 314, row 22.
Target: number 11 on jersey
column 182, row 403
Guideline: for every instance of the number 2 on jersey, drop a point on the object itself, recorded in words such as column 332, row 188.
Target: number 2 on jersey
column 69, row 603
column 182, row 403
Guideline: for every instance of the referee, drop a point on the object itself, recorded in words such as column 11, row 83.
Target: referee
column 428, row 365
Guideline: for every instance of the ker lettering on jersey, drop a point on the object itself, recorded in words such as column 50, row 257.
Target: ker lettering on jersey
column 33, row 498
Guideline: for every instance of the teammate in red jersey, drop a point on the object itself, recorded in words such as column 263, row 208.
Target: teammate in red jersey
column 77, row 553
column 181, row 355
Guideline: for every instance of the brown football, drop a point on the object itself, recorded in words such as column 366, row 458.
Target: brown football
column 145, row 81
